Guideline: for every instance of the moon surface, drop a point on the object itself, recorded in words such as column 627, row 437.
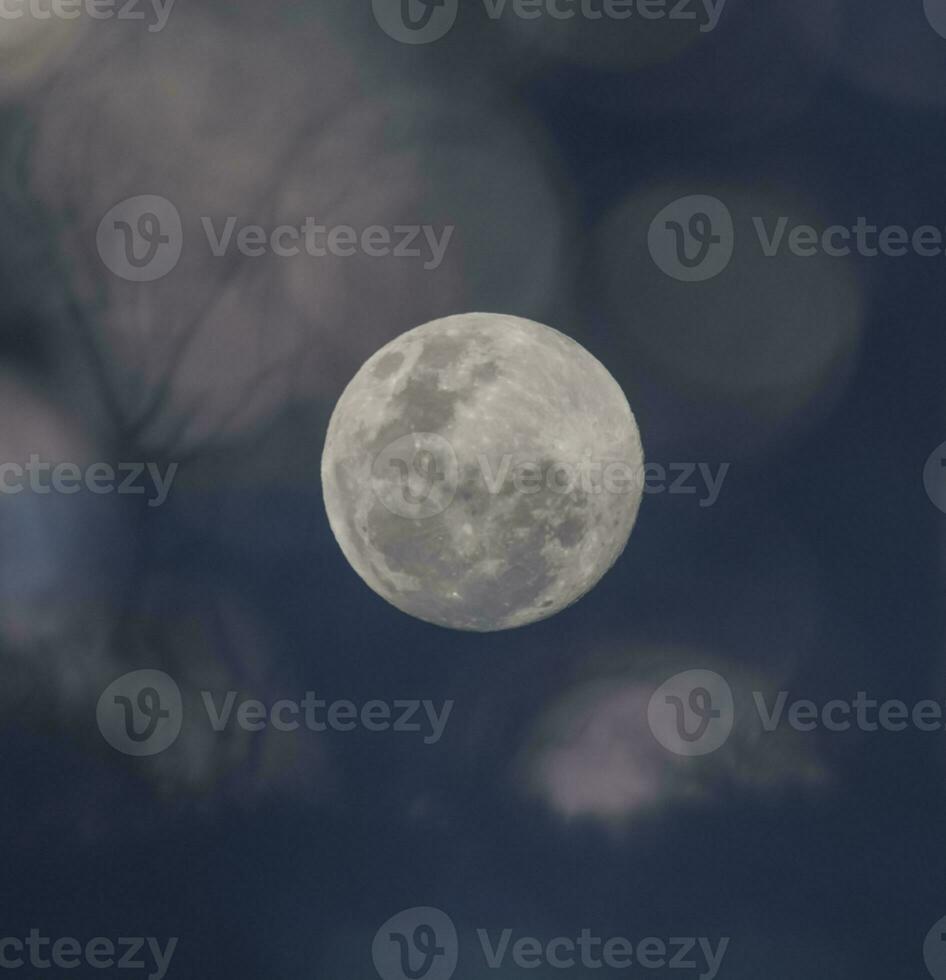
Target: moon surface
column 482, row 472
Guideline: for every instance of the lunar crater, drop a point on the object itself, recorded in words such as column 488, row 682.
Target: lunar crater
column 455, row 472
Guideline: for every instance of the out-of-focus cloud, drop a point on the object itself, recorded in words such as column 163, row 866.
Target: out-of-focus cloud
column 744, row 349
column 205, row 639
column 604, row 42
column 895, row 51
column 222, row 344
column 593, row 753
column 743, row 64
column 63, row 554
column 34, row 43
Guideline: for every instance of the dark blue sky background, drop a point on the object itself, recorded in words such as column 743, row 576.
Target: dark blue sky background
column 821, row 562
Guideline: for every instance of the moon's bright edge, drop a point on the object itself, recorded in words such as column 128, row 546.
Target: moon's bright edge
column 436, row 472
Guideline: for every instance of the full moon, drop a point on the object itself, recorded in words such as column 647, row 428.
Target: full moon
column 482, row 472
